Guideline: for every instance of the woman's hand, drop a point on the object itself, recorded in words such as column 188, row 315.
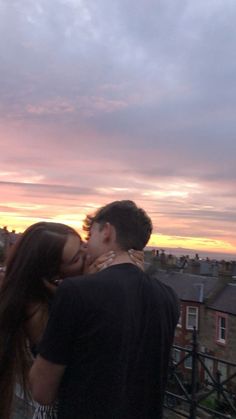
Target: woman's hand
column 98, row 264
column 137, row 257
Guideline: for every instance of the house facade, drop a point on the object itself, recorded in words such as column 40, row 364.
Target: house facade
column 208, row 304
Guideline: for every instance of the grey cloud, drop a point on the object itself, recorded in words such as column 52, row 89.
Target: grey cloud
column 49, row 189
column 211, row 215
column 71, row 54
column 146, row 88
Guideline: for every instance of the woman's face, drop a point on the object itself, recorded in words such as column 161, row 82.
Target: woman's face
column 73, row 257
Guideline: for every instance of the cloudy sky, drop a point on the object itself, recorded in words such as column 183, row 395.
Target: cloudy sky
column 104, row 100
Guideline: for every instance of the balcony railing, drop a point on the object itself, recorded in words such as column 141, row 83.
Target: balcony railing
column 200, row 389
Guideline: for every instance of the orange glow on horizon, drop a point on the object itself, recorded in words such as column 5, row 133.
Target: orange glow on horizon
column 193, row 243
column 157, row 240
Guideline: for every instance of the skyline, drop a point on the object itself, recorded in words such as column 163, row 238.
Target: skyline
column 117, row 100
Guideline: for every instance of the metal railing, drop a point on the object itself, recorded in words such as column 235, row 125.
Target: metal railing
column 194, row 395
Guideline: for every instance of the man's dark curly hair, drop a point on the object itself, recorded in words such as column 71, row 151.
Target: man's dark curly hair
column 133, row 226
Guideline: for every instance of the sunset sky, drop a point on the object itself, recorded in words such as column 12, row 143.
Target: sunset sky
column 120, row 99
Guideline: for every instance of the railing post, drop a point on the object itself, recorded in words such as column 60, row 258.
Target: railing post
column 193, row 407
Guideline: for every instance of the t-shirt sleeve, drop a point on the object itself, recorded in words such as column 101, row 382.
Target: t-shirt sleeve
column 58, row 340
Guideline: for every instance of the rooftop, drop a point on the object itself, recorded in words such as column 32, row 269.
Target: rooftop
column 226, row 300
column 189, row 287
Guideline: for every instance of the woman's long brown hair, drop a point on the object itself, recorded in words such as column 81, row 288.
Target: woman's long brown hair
column 36, row 256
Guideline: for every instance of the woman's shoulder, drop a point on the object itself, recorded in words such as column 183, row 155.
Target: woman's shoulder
column 35, row 322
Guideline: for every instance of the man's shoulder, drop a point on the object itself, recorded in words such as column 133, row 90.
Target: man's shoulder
column 161, row 286
column 165, row 295
column 72, row 284
column 112, row 277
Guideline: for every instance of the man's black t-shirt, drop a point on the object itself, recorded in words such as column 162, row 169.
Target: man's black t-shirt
column 113, row 330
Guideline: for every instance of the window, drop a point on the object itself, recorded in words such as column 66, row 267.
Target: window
column 192, row 318
column 210, row 367
column 188, row 360
column 176, row 355
column 222, row 368
column 221, row 328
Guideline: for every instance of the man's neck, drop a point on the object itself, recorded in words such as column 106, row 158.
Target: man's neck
column 121, row 257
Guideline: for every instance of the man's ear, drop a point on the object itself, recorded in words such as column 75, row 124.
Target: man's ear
column 108, row 232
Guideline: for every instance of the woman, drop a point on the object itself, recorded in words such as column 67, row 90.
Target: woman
column 45, row 253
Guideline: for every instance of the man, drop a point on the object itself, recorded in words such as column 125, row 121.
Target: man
column 106, row 348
